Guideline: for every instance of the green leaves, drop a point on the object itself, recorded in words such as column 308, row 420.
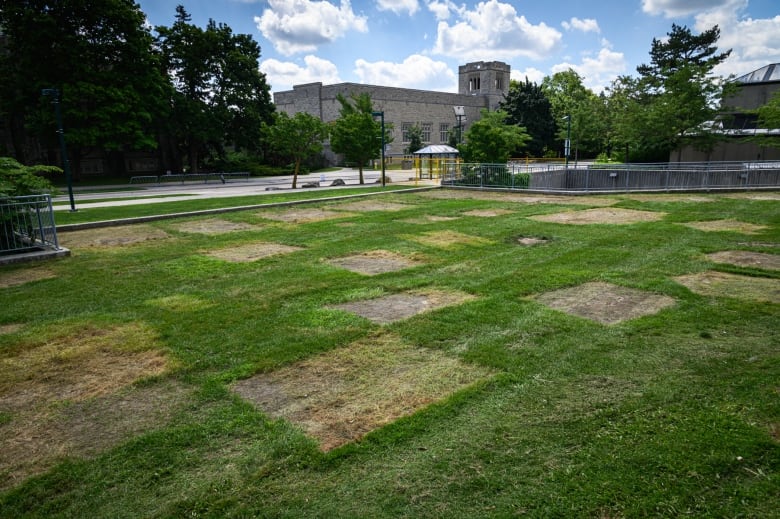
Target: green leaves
column 356, row 134
column 18, row 180
column 297, row 138
column 492, row 139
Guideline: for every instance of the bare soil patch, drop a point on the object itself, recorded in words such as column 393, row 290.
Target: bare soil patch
column 373, row 205
column 447, row 239
column 605, row 303
column 429, row 218
column 447, row 194
column 600, row 216
column 721, row 284
column 745, row 258
column 342, row 395
column 374, row 262
column 84, row 367
column 682, row 197
column 24, row 276
column 304, row 215
column 252, row 251
column 530, row 241
column 7, row 329
column 488, row 213
column 726, row 225
column 213, row 226
column 755, row 196
column 112, row 236
column 396, row 307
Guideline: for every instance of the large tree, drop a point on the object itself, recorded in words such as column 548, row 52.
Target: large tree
column 576, row 110
column 220, row 97
column 492, row 139
column 297, row 138
column 680, row 93
column 356, row 134
column 527, row 106
column 98, row 54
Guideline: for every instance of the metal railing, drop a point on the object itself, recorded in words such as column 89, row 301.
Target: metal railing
column 596, row 177
column 27, row 224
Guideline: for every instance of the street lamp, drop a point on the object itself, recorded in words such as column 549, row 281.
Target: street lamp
column 460, row 114
column 382, row 115
column 567, row 146
column 55, row 95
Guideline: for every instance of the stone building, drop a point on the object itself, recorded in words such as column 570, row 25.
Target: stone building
column 740, row 123
column 480, row 85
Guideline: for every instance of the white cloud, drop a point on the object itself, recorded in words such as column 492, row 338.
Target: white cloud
column 597, row 73
column 282, row 75
column 586, row 25
column 676, row 8
column 302, row 25
column 493, row 30
column 398, row 6
column 416, row 71
column 534, row 75
column 442, row 8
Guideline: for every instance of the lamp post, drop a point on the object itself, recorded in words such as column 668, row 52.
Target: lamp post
column 382, row 116
column 460, row 114
column 55, row 95
column 567, row 146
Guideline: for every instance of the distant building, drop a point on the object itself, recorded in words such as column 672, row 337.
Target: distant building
column 739, row 125
column 480, row 85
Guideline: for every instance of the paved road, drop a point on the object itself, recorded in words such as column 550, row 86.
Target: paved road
column 174, row 191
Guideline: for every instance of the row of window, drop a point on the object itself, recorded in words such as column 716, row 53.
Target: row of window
column 427, row 128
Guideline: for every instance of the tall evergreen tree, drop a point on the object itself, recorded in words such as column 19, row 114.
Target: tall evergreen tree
column 527, row 106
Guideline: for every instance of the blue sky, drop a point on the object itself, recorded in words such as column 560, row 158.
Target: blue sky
column 420, row 43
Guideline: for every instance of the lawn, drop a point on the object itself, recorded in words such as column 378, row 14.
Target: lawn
column 426, row 354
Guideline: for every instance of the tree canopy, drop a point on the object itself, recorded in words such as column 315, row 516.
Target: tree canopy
column 356, row 134
column 297, row 138
column 492, row 139
column 527, row 106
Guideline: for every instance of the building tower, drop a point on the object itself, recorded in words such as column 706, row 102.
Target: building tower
column 489, row 79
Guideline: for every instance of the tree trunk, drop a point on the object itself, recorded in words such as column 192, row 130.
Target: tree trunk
column 295, row 173
column 193, row 157
column 360, row 169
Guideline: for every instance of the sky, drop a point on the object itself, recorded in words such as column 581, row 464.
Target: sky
column 420, row 43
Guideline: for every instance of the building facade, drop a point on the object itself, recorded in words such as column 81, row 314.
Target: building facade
column 481, row 85
column 739, row 122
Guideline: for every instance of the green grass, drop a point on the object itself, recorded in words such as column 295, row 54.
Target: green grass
column 674, row 414
column 83, row 215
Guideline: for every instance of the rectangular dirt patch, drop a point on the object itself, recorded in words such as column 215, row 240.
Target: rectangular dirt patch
column 396, row 307
column 374, row 262
column 721, row 284
column 303, row 215
column 342, row 395
column 446, row 239
column 252, row 251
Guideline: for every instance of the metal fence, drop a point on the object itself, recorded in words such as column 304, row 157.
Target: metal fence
column 708, row 176
column 27, row 224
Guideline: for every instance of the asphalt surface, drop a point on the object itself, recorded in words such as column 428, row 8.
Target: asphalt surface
column 171, row 191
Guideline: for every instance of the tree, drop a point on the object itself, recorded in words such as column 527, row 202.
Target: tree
column 98, row 54
column 297, row 138
column 355, row 133
column 569, row 97
column 527, row 106
column 681, row 96
column 19, row 180
column 769, row 118
column 415, row 139
column 492, row 139
column 220, row 97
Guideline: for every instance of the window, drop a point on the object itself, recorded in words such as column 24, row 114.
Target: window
column 474, row 83
column 426, row 132
column 444, row 132
column 405, row 127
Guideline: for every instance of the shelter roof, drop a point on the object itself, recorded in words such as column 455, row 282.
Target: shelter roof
column 437, row 149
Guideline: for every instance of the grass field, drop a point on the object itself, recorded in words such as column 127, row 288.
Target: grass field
column 431, row 354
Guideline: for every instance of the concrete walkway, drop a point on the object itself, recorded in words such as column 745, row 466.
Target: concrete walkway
column 143, row 194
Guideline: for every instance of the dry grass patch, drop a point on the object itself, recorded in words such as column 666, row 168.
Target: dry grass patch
column 468, row 194
column 755, row 196
column 682, row 197
column 600, row 216
column 605, row 303
column 429, row 218
column 721, row 284
column 373, row 205
column 252, row 251
column 529, row 241
column 374, row 262
column 745, row 258
column 213, row 226
column 396, row 307
column 24, row 276
column 726, row 225
column 488, row 213
column 342, row 395
column 111, row 236
column 447, row 239
column 304, row 215
column 78, row 366
column 7, row 329
column 180, row 303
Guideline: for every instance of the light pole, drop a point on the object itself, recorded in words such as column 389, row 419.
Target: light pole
column 55, row 95
column 567, row 146
column 382, row 116
column 460, row 114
